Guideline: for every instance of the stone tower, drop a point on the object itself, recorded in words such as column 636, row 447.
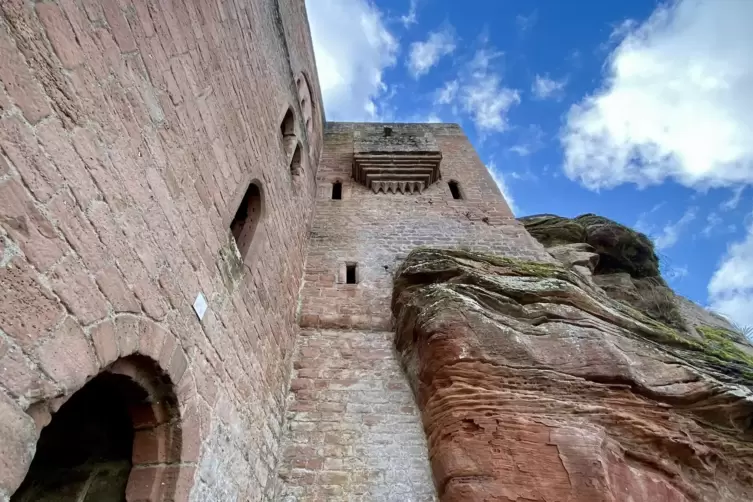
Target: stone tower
column 209, row 293
column 158, row 160
column 353, row 429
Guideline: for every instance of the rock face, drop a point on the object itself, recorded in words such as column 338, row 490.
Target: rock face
column 620, row 248
column 619, row 260
column 536, row 385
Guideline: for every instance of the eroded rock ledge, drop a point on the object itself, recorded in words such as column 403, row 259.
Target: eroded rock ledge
column 535, row 385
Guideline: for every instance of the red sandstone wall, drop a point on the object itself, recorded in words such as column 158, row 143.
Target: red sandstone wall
column 378, row 230
column 353, row 430
column 128, row 133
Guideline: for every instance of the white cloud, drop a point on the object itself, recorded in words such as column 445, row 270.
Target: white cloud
column 544, row 87
column 713, row 221
column 429, row 117
column 483, row 96
column 530, row 140
column 671, row 232
column 522, row 150
column 499, row 179
column 410, row 18
column 731, row 286
column 666, row 236
column 676, row 273
column 446, row 95
column 479, row 92
column 642, row 224
column 424, row 55
column 733, row 201
column 525, row 175
column 353, row 48
column 676, row 102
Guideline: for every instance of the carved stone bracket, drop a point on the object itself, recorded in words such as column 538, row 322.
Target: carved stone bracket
column 397, row 162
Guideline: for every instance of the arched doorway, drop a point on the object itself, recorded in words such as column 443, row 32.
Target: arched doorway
column 124, row 421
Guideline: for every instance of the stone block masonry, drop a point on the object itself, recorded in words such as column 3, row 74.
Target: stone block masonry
column 154, row 150
column 353, row 431
column 129, row 133
column 376, row 231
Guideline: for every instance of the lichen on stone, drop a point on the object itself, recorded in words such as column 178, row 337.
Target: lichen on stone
column 720, row 343
column 498, row 349
column 620, row 248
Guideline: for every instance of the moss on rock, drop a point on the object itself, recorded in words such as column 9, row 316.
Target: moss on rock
column 720, row 343
column 451, row 274
column 620, row 249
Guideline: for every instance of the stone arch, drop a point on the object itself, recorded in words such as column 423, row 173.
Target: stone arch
column 312, row 117
column 144, row 364
column 287, row 125
column 306, row 102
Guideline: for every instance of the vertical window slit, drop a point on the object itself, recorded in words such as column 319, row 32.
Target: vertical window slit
column 337, row 190
column 247, row 218
column 455, row 190
column 350, row 273
column 295, row 162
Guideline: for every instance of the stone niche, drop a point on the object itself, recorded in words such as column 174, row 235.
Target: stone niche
column 395, row 159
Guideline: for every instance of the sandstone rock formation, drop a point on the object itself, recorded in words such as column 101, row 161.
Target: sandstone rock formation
column 534, row 384
column 620, row 248
column 624, row 264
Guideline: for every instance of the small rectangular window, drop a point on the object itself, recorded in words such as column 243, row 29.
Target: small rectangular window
column 455, row 190
column 337, row 190
column 350, row 273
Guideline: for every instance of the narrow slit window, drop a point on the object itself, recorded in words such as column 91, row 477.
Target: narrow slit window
column 295, row 163
column 287, row 131
column 337, row 190
column 247, row 218
column 455, row 190
column 350, row 273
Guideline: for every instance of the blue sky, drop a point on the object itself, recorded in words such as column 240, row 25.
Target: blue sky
column 641, row 111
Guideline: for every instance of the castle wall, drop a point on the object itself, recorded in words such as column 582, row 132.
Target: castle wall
column 353, row 431
column 377, row 231
column 129, row 132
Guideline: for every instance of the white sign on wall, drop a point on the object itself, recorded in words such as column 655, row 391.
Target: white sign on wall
column 200, row 306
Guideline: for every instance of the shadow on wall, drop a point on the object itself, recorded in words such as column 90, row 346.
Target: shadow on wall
column 105, row 442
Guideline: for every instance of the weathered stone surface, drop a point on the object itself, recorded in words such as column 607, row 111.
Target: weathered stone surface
column 620, row 248
column 353, row 430
column 624, row 264
column 535, row 385
column 129, row 133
